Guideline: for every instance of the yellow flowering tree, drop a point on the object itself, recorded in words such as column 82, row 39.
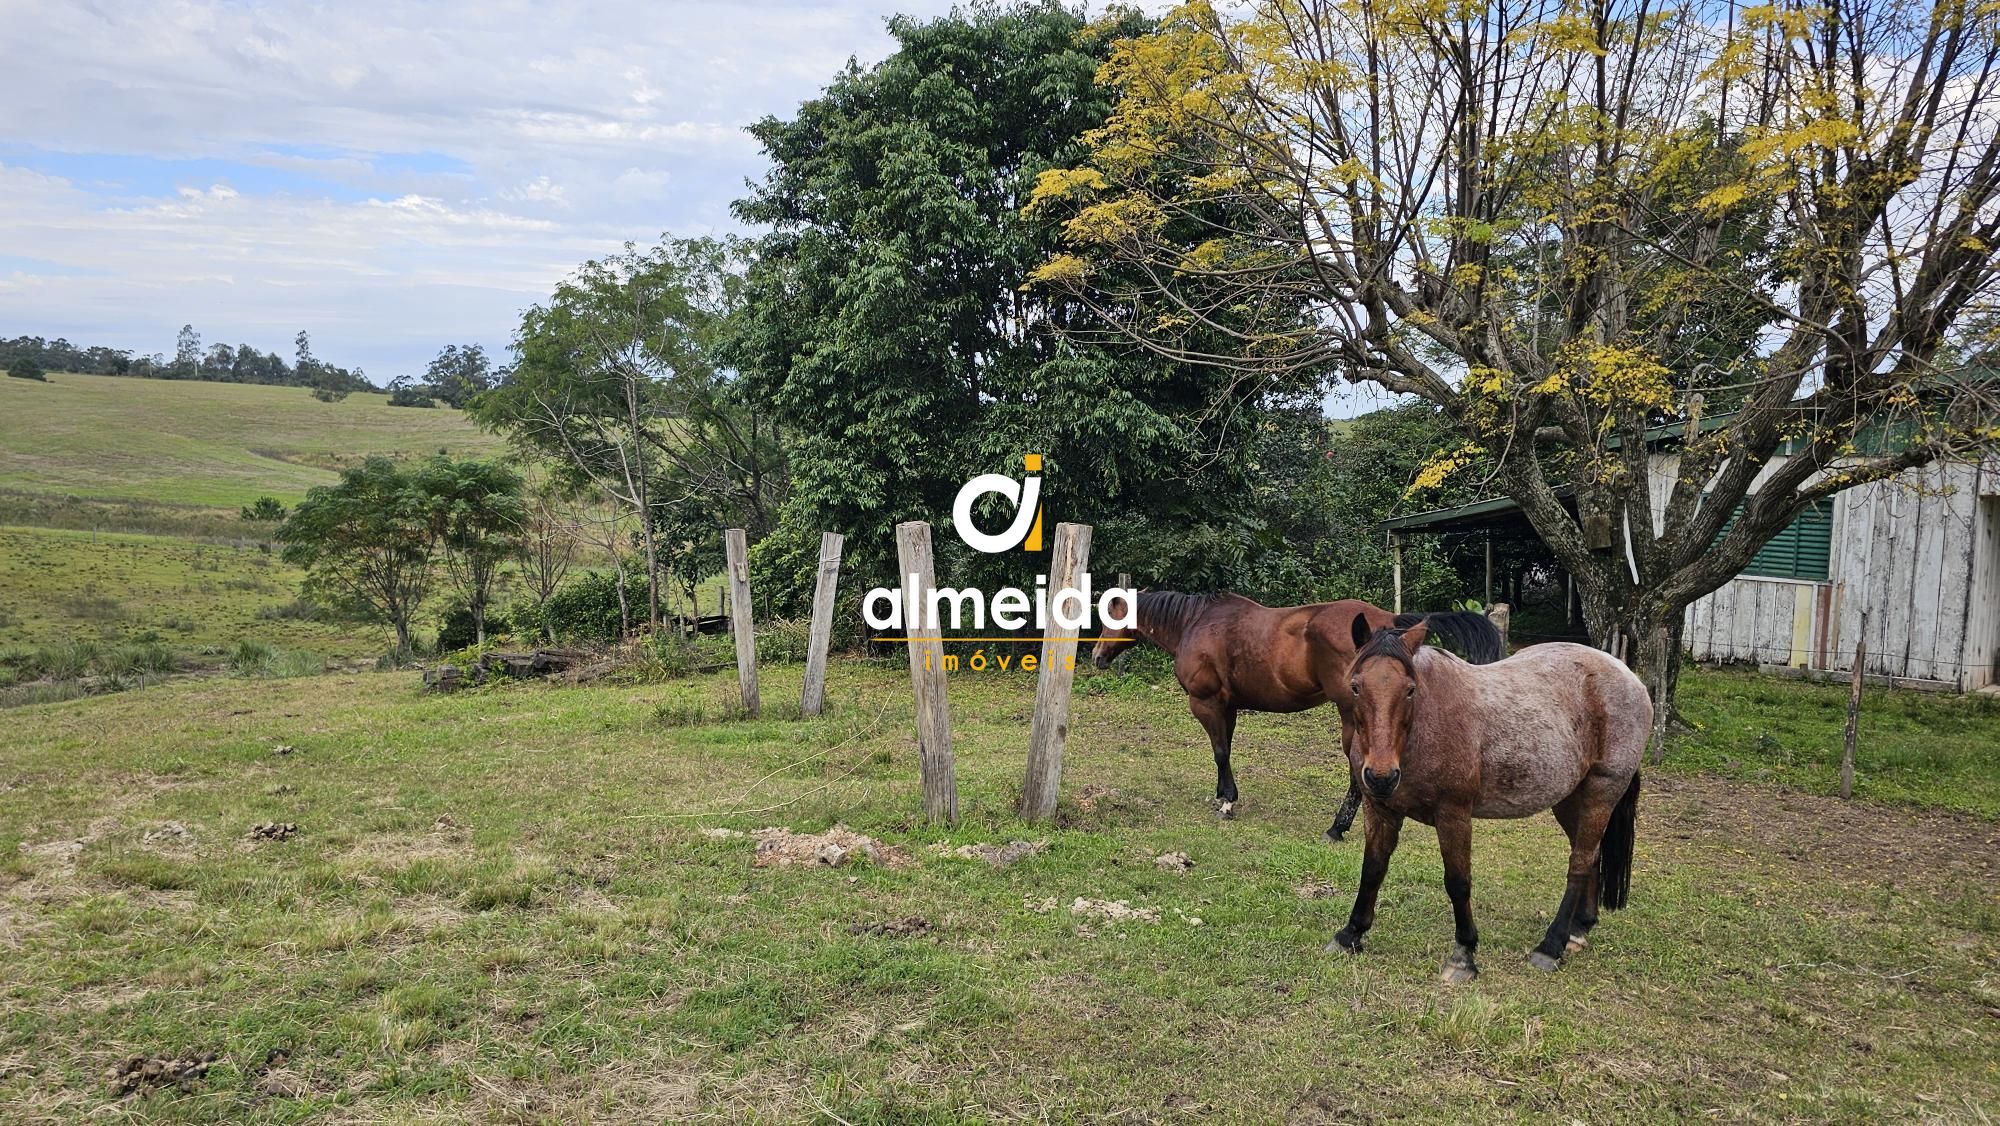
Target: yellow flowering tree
column 1574, row 227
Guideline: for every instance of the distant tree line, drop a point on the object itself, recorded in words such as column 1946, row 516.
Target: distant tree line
column 218, row 363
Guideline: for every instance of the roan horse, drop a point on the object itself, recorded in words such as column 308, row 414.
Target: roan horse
column 1555, row 726
column 1232, row 654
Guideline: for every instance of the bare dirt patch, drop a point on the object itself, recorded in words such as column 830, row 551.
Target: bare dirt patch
column 146, row 1073
column 909, row 926
column 1856, row 842
column 997, row 855
column 1173, row 862
column 272, row 831
column 779, row 848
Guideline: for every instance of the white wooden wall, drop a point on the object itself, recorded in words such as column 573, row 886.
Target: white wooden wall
column 1921, row 551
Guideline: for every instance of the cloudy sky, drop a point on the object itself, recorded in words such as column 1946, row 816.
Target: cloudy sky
column 390, row 176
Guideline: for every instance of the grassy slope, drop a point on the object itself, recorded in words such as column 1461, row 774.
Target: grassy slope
column 210, row 444
column 571, row 944
column 58, row 586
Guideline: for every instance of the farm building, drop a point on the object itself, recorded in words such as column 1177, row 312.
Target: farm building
column 1920, row 552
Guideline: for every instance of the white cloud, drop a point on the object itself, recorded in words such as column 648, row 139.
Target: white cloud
column 542, row 134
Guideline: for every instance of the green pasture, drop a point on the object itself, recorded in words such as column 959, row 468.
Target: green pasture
column 526, row 903
column 203, row 444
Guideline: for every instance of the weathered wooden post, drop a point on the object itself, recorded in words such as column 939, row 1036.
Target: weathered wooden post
column 913, row 553
column 1499, row 613
column 812, row 697
column 737, row 546
column 1853, row 709
column 1396, row 557
column 1069, row 561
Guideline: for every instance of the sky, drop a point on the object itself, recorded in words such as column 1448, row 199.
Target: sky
column 388, row 176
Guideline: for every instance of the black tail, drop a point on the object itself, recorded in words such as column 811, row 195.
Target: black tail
column 1476, row 637
column 1614, row 855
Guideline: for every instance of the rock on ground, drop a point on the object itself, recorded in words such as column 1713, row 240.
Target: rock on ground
column 778, row 847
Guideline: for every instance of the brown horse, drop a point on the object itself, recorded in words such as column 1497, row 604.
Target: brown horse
column 1232, row 654
column 1555, row 726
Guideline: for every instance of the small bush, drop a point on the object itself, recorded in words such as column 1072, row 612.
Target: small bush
column 297, row 610
column 25, row 368
column 456, row 630
column 257, row 659
column 264, row 510
column 783, row 641
column 135, row 659
column 66, row 661
column 90, row 604
column 585, row 608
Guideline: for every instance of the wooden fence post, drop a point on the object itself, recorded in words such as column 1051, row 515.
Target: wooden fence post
column 919, row 578
column 812, row 697
column 1499, row 613
column 1396, row 557
column 737, row 546
column 1067, row 564
column 1853, row 709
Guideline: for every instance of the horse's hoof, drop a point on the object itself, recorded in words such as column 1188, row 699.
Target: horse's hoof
column 1576, row 942
column 1335, row 836
column 1226, row 811
column 1343, row 943
column 1544, row 962
column 1456, row 973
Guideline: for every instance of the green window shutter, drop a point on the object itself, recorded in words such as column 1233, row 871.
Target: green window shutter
column 1803, row 550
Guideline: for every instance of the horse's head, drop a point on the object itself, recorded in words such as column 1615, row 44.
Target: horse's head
column 1111, row 642
column 1383, row 679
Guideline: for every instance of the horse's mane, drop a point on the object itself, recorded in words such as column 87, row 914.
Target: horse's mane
column 1385, row 643
column 1165, row 615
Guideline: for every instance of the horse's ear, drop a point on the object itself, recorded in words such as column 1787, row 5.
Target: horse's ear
column 1413, row 638
column 1361, row 631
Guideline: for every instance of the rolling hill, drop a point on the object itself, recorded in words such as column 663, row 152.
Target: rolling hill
column 216, row 445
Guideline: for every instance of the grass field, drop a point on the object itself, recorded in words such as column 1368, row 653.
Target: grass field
column 511, row 904
column 203, row 444
column 197, row 598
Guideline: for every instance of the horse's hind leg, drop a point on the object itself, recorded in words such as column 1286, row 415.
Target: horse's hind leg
column 1220, row 723
column 1591, row 807
column 1586, row 908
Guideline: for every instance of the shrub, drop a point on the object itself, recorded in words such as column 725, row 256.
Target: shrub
column 456, row 630
column 25, row 368
column 586, row 607
column 297, row 610
column 135, row 659
column 407, row 395
column 258, row 659
column 783, row 641
column 264, row 510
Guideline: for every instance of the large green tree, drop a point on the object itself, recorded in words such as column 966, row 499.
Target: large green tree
column 617, row 384
column 888, row 329
column 368, row 542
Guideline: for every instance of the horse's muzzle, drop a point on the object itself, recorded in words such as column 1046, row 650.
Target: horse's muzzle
column 1099, row 661
column 1381, row 785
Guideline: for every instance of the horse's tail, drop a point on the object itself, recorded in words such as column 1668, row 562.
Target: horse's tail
column 1614, row 854
column 1477, row 637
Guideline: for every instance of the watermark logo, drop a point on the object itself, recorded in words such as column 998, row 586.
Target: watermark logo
column 1010, row 608
column 1026, row 495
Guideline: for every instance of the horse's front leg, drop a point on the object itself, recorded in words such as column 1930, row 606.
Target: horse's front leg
column 1454, row 828
column 1219, row 720
column 1351, row 804
column 1383, row 827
